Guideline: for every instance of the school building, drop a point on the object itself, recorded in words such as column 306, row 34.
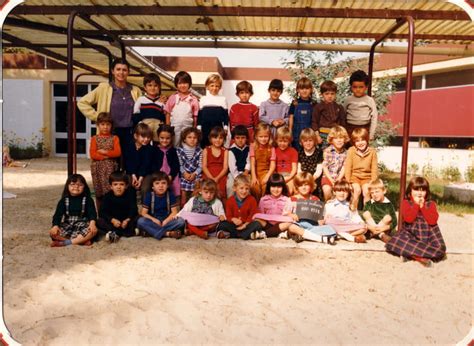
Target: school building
column 442, row 125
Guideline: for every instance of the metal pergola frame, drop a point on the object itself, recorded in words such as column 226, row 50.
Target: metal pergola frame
column 401, row 17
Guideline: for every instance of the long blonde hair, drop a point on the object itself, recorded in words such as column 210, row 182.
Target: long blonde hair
column 261, row 126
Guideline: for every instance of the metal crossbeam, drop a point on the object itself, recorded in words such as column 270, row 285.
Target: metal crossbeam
column 243, row 12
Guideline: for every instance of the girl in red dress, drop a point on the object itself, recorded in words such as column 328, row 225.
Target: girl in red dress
column 215, row 161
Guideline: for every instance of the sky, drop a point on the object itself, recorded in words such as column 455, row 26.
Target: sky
column 231, row 57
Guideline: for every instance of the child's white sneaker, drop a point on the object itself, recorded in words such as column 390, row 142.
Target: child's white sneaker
column 283, row 235
column 262, row 235
column 254, row 235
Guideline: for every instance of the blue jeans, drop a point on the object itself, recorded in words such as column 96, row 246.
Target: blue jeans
column 159, row 232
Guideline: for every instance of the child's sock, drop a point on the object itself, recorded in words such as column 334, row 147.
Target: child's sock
column 57, row 243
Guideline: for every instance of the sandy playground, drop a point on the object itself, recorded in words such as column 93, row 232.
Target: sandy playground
column 143, row 291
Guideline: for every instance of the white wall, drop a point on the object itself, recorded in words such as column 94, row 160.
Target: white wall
column 22, row 109
column 260, row 91
column 437, row 158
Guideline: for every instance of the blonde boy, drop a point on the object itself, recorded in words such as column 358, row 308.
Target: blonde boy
column 286, row 157
column 212, row 109
column 334, row 157
column 379, row 213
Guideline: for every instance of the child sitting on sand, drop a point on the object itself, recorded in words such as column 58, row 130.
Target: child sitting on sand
column 307, row 210
column 75, row 216
column 342, row 216
column 159, row 210
column 118, row 211
column 203, row 211
column 240, row 207
column 419, row 238
column 379, row 213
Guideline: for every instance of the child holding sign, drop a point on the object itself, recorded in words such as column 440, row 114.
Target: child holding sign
column 307, row 210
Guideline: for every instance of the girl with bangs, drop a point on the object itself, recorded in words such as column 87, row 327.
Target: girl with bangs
column 342, row 216
column 419, row 238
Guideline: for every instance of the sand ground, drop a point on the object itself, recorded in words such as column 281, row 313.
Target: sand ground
column 143, row 291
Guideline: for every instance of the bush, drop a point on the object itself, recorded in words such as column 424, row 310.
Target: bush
column 451, row 174
column 28, row 152
column 469, row 175
column 21, row 149
column 428, row 171
column 413, row 169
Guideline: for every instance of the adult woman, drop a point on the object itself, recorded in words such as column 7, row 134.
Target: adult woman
column 117, row 98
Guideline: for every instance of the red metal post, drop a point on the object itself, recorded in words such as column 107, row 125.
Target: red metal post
column 390, row 31
column 406, row 119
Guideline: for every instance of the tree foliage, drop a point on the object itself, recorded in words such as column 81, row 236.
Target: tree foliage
column 329, row 65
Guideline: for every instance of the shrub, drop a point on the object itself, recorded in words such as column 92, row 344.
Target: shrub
column 21, row 149
column 413, row 169
column 469, row 175
column 428, row 171
column 451, row 173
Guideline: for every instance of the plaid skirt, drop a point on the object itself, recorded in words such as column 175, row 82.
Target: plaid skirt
column 418, row 239
column 73, row 227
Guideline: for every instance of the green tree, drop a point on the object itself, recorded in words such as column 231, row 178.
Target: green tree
column 328, row 65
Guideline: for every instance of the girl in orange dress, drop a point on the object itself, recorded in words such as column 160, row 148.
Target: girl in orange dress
column 215, row 164
column 104, row 152
column 262, row 159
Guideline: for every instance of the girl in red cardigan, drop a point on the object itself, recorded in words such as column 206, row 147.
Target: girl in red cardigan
column 419, row 238
column 240, row 208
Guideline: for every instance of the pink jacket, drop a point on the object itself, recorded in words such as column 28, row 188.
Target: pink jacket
column 271, row 205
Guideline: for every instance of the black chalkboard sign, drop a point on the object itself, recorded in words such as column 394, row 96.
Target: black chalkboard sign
column 309, row 210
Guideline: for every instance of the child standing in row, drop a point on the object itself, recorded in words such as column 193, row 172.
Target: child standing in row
column 274, row 111
column 379, row 213
column 419, row 238
column 286, row 162
column 239, row 160
column 244, row 113
column 328, row 113
column 118, row 211
column 213, row 109
column 190, row 161
column 361, row 165
column 215, row 161
column 104, row 151
column 166, row 158
column 262, row 159
column 182, row 107
column 334, row 157
column 149, row 108
column 361, row 110
column 204, row 210
column 74, row 221
column 159, row 210
column 139, row 158
column 300, row 112
column 240, row 208
column 342, row 216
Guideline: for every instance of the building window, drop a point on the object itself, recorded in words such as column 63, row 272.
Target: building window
column 84, row 127
column 452, row 78
column 402, row 83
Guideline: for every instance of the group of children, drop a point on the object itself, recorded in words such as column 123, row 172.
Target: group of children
column 266, row 181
